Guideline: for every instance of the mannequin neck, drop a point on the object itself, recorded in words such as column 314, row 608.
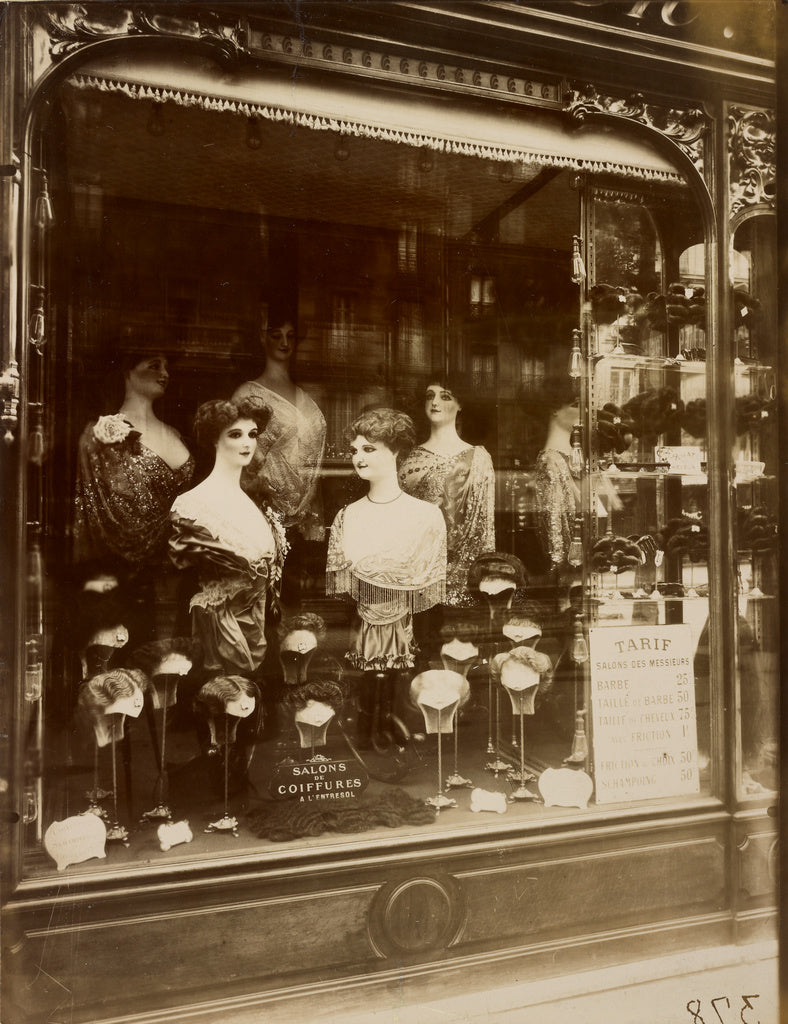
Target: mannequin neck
column 444, row 435
column 386, row 489
column 557, row 438
column 276, row 376
column 139, row 411
column 223, row 476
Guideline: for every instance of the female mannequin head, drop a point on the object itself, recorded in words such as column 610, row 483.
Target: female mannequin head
column 227, row 426
column 279, row 334
column 445, row 394
column 557, row 402
column 145, row 374
column 378, row 439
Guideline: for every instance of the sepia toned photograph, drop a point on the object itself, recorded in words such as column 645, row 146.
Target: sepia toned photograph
column 390, row 404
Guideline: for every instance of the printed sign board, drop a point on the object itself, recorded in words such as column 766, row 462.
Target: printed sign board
column 643, row 712
column 320, row 779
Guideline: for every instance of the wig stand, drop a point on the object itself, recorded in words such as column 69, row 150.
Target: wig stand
column 522, row 691
column 523, row 775
column 116, row 833
column 463, row 667
column 161, row 812
column 439, row 693
column 440, row 800
column 312, row 723
column 497, row 764
column 227, row 822
column 97, row 793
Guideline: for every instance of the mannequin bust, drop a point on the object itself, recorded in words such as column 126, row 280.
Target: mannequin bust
column 237, row 549
column 456, row 476
column 388, row 551
column 286, row 470
column 131, row 466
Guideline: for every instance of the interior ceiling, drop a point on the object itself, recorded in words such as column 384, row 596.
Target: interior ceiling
column 197, row 157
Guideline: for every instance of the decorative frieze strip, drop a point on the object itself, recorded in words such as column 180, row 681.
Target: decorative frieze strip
column 752, row 157
column 687, row 128
column 350, row 126
column 542, row 91
column 73, row 25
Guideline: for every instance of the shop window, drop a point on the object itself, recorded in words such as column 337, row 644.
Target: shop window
column 449, row 295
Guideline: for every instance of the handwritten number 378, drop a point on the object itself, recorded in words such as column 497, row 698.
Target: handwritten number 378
column 693, row 1007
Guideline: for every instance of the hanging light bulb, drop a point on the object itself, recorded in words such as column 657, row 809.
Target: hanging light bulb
column 578, row 267
column 156, row 120
column 37, row 331
column 506, row 173
column 576, row 450
column 574, row 555
column 254, row 139
column 342, row 150
column 575, row 357
column 578, row 650
column 425, row 160
column 44, row 216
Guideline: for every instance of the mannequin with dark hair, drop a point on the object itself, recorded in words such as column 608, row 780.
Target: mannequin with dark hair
column 237, row 549
column 131, row 466
column 457, row 477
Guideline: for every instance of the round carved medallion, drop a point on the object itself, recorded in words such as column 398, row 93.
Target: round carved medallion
column 418, row 915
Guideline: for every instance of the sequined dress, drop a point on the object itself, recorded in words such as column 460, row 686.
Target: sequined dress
column 286, row 469
column 463, row 487
column 123, row 496
column 236, row 566
column 391, row 559
column 557, row 497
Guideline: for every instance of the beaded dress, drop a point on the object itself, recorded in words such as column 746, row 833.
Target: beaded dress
column 391, row 559
column 124, row 491
column 557, row 497
column 463, row 487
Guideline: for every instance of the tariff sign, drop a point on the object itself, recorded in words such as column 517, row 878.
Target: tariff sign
column 643, row 712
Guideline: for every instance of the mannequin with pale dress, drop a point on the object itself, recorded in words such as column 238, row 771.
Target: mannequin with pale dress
column 388, row 551
column 285, row 470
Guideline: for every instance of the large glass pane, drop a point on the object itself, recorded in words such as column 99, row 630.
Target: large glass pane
column 327, row 276
column 754, row 280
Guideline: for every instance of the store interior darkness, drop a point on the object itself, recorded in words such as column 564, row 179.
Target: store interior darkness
column 175, row 227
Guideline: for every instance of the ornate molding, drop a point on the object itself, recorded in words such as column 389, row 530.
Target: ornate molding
column 73, row 26
column 687, row 128
column 752, row 160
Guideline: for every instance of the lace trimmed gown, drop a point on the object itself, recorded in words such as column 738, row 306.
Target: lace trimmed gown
column 236, row 565
column 463, row 487
column 391, row 559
